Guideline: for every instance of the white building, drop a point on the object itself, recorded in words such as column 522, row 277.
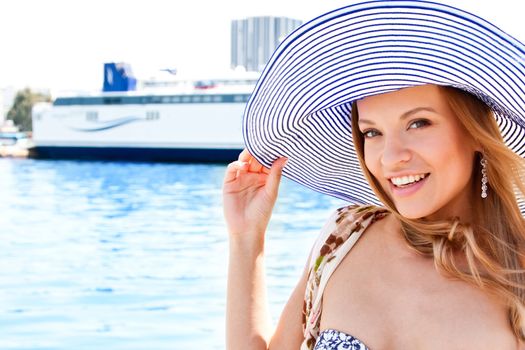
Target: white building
column 254, row 39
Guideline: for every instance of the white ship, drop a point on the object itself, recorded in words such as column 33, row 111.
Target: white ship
column 176, row 120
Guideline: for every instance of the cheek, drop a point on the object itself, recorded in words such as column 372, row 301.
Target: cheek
column 453, row 159
column 373, row 163
column 371, row 160
column 434, row 143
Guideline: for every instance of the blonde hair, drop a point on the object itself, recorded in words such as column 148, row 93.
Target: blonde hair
column 495, row 239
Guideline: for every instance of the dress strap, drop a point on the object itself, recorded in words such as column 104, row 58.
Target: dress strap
column 337, row 237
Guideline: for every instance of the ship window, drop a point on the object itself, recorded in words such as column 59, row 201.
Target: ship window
column 217, row 98
column 186, row 99
column 206, row 99
column 92, row 116
column 152, row 115
column 165, row 100
column 238, row 98
column 175, row 99
column 196, row 99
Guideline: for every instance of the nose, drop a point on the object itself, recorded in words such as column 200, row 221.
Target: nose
column 395, row 152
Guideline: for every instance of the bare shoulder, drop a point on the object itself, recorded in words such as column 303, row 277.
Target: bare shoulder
column 383, row 231
column 289, row 331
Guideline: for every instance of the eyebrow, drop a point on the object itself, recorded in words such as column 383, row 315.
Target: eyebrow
column 403, row 116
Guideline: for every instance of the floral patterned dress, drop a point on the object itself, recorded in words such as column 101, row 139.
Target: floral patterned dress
column 337, row 237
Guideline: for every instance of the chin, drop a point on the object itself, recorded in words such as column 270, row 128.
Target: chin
column 413, row 211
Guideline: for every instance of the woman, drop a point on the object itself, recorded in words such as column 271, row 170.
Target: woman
column 442, row 262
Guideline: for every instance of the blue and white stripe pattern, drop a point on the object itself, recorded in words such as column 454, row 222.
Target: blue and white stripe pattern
column 301, row 105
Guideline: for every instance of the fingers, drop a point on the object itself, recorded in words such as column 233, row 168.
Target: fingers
column 255, row 166
column 275, row 175
column 248, row 163
column 233, row 169
column 245, row 156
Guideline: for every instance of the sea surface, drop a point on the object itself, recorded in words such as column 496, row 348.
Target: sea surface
column 122, row 255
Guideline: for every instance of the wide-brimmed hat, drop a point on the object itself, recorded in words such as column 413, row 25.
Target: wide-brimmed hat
column 301, row 105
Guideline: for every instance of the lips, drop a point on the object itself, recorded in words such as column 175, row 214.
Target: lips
column 407, row 180
column 408, row 189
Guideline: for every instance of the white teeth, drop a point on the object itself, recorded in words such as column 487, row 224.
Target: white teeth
column 405, row 180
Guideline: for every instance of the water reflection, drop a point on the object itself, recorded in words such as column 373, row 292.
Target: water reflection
column 130, row 255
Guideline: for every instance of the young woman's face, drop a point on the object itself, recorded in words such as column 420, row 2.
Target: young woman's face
column 418, row 151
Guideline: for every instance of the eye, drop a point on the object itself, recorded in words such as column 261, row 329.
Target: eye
column 420, row 123
column 368, row 134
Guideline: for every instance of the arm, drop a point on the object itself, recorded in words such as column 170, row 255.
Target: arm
column 248, row 321
column 249, row 194
column 289, row 331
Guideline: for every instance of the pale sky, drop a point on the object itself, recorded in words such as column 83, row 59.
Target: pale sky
column 62, row 44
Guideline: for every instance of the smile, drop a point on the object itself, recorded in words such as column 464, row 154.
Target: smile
column 404, row 186
column 404, row 181
column 407, row 188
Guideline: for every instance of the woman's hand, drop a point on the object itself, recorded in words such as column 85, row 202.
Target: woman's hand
column 249, row 194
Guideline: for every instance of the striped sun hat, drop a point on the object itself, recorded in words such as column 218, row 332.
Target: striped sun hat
column 301, row 105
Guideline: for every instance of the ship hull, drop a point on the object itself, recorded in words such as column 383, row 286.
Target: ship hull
column 186, row 155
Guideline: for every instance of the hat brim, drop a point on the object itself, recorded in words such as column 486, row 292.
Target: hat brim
column 300, row 107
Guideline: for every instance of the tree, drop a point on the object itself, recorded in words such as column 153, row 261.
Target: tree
column 20, row 112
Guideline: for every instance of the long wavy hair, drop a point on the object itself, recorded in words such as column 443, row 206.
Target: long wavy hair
column 493, row 244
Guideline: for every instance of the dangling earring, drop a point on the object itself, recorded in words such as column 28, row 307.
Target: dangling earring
column 484, row 179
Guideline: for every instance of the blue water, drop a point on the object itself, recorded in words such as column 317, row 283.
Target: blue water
column 108, row 255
